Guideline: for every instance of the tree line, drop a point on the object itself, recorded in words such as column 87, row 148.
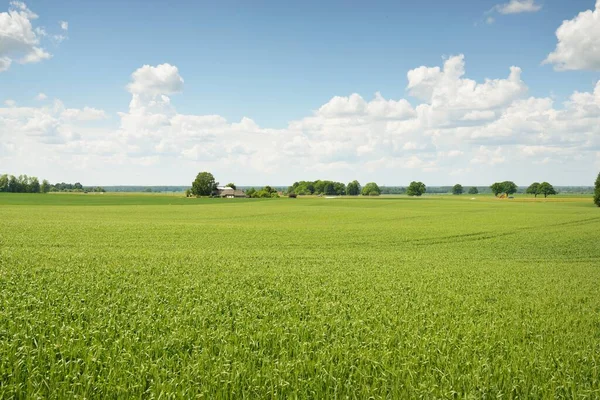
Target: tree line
column 206, row 185
column 331, row 188
column 23, row 184
column 31, row 184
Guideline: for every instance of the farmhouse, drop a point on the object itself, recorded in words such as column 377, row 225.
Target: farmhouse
column 229, row 193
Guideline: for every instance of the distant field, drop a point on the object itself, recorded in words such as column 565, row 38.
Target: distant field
column 129, row 296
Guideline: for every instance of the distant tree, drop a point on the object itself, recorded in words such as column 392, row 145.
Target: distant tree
column 204, row 185
column 45, row 188
column 497, row 188
column 339, row 188
column 319, row 187
column 416, row 188
column 265, row 192
column 371, row 189
column 328, row 188
column 457, row 189
column 473, row 190
column 546, row 189
column 148, row 190
column 597, row 191
column 22, row 184
column 78, row 186
column 353, row 188
column 534, row 189
column 34, row 185
column 507, row 187
column 4, row 183
column 13, row 184
column 231, row 185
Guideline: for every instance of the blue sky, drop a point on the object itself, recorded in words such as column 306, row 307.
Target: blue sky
column 280, row 62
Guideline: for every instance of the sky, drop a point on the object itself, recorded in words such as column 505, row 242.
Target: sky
column 271, row 92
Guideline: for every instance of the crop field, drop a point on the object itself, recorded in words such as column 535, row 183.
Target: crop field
column 150, row 296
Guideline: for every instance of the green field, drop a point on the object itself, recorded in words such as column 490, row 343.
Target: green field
column 131, row 296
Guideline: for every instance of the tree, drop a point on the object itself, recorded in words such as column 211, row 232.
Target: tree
column 4, row 183
column 597, row 191
column 78, row 186
column 45, row 188
column 13, row 184
column 22, row 184
column 319, row 186
column 371, row 189
column 545, row 188
column 497, row 188
column 507, row 187
column 265, row 192
column 353, row 188
column 328, row 188
column 534, row 189
column 473, row 190
column 340, row 188
column 457, row 189
column 231, row 185
column 416, row 189
column 204, row 185
column 34, row 185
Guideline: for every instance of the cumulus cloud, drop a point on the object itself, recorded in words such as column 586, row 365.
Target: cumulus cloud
column 446, row 87
column 64, row 25
column 578, row 46
column 41, row 97
column 19, row 41
column 85, row 114
column 454, row 127
column 518, row 6
column 50, row 124
column 151, row 81
column 355, row 105
column 484, row 155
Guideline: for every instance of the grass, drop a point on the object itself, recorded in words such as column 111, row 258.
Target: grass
column 128, row 296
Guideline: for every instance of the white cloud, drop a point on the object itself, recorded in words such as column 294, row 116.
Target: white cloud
column 460, row 129
column 5, row 63
column 518, row 6
column 19, row 41
column 484, row 155
column 578, row 45
column 41, row 97
column 10, row 103
column 478, row 115
column 85, row 114
column 151, row 81
column 447, row 89
column 64, row 25
column 355, row 105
